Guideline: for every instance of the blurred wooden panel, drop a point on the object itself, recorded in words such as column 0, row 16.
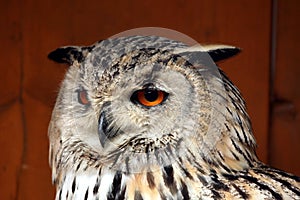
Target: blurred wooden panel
column 10, row 56
column 11, row 124
column 285, row 135
column 36, row 175
column 11, row 142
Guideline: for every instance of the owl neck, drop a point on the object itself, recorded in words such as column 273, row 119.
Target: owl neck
column 229, row 156
column 235, row 149
column 88, row 178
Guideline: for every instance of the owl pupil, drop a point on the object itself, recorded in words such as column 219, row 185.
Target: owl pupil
column 151, row 95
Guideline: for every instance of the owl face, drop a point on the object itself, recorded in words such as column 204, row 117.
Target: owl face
column 140, row 101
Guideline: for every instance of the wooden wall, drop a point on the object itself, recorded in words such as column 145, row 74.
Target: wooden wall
column 266, row 71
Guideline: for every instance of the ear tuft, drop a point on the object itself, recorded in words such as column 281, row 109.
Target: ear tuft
column 216, row 52
column 221, row 52
column 69, row 54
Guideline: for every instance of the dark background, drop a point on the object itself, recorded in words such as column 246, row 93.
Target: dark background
column 266, row 71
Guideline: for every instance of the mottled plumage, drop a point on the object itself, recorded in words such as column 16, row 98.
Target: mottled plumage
column 145, row 117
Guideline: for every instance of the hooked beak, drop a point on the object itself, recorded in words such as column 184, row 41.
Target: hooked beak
column 106, row 129
column 102, row 129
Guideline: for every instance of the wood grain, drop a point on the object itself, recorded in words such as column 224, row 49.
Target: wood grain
column 285, row 124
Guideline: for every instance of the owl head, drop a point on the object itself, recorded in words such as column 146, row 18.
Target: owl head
column 140, row 102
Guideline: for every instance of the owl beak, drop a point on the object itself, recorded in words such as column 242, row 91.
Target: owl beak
column 106, row 131
column 102, row 129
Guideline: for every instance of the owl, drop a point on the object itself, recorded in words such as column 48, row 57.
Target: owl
column 147, row 117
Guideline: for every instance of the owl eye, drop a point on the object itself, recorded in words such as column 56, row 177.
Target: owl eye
column 82, row 97
column 149, row 97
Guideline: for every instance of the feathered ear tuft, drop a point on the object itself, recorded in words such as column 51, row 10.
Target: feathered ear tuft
column 221, row 52
column 216, row 52
column 69, row 54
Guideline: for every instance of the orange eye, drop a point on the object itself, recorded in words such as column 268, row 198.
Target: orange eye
column 82, row 97
column 149, row 97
